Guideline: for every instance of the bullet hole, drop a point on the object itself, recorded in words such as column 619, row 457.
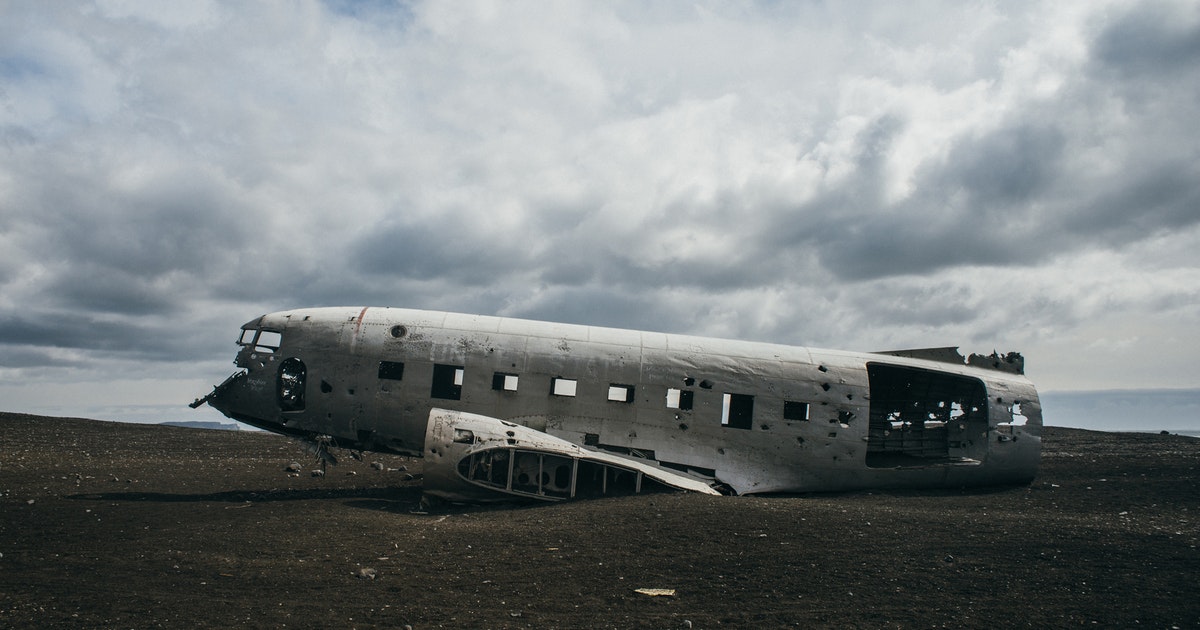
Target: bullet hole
column 683, row 426
column 399, row 331
column 326, row 387
column 822, row 368
column 825, row 386
column 706, row 384
column 799, row 440
column 689, row 381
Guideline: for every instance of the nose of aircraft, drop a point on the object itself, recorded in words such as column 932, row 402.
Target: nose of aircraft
column 246, row 399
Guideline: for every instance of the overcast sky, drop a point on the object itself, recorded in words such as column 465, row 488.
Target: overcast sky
column 854, row 175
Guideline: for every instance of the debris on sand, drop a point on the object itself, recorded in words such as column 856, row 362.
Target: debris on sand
column 656, row 592
column 366, row 573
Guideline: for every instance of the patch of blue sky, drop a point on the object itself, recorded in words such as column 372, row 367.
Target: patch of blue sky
column 17, row 68
column 378, row 12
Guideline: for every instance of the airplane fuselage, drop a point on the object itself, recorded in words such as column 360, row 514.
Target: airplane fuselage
column 753, row 417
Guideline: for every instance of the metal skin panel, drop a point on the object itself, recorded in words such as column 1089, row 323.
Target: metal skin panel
column 345, row 399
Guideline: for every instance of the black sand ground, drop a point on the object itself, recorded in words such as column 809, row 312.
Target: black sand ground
column 120, row 525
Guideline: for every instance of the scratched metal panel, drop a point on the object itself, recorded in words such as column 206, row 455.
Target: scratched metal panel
column 479, row 324
column 615, row 336
column 570, row 332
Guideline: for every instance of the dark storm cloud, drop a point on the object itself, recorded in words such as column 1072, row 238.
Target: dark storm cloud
column 18, row 356
column 74, row 331
column 1002, row 170
column 448, row 249
column 1152, row 40
column 971, row 208
column 1146, row 203
column 610, row 308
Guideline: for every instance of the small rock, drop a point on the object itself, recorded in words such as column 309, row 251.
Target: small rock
column 30, row 502
column 318, row 473
column 366, row 573
column 948, row 558
column 351, row 473
column 402, row 468
column 377, row 465
column 293, row 467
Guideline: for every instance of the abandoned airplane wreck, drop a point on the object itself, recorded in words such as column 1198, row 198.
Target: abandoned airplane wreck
column 504, row 408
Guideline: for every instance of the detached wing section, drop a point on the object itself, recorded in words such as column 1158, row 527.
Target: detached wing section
column 469, row 457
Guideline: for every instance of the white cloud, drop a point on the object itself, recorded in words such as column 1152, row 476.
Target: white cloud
column 866, row 176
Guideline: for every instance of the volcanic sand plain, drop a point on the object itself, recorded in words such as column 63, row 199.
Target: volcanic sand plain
column 114, row 525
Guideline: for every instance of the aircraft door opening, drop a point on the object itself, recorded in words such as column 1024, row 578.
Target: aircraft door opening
column 920, row 417
column 290, row 386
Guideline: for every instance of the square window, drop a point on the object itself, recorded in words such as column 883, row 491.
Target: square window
column 795, row 410
column 563, row 387
column 391, row 370
column 737, row 411
column 679, row 399
column 502, row 381
column 620, row 393
column 447, row 382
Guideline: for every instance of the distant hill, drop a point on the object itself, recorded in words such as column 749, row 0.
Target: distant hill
column 1123, row 410
column 220, row 426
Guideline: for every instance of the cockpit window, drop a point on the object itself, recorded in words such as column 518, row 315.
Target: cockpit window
column 268, row 341
column 262, row 340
